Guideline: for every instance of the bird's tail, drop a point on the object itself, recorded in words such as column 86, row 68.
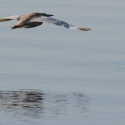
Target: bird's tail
column 84, row 29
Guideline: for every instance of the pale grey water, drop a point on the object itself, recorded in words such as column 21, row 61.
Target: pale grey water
column 50, row 75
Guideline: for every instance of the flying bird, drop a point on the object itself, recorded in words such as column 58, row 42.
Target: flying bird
column 36, row 19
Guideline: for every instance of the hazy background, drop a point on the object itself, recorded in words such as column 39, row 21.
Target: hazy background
column 60, row 62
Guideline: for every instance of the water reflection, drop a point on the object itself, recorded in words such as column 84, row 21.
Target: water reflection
column 36, row 104
column 28, row 103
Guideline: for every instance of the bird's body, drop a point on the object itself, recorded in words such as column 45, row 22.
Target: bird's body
column 36, row 19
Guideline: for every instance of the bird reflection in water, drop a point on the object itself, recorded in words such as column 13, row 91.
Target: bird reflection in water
column 34, row 105
column 25, row 102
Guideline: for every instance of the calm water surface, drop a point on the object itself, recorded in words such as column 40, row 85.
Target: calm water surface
column 53, row 76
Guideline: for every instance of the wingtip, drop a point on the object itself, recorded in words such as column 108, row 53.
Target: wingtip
column 14, row 27
column 50, row 15
column 84, row 29
column 4, row 19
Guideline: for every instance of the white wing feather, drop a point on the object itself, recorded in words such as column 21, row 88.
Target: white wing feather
column 55, row 21
column 15, row 17
column 58, row 23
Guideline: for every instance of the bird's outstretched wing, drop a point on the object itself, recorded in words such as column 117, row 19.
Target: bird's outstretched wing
column 15, row 17
column 58, row 23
